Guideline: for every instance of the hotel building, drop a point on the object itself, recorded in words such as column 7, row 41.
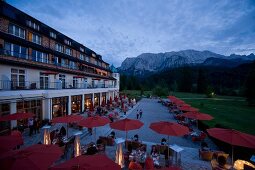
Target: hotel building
column 47, row 73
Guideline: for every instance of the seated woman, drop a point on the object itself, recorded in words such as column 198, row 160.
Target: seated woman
column 221, row 163
column 163, row 141
column 62, row 131
column 136, row 138
column 204, row 147
column 112, row 135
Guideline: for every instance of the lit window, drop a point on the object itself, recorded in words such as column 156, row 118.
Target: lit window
column 36, row 39
column 16, row 30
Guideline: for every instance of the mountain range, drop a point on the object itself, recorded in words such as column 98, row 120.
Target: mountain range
column 152, row 63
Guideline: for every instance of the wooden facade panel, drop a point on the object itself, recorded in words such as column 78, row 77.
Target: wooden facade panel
column 4, row 23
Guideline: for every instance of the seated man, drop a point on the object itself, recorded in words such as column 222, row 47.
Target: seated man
column 163, row 141
column 221, row 163
column 136, row 138
column 92, row 149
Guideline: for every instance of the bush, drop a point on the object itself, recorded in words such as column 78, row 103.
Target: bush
column 159, row 91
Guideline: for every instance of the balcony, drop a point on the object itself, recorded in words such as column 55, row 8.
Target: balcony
column 37, row 85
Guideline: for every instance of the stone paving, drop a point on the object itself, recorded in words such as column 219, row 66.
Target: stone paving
column 152, row 112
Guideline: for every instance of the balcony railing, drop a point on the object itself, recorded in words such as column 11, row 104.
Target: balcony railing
column 37, row 85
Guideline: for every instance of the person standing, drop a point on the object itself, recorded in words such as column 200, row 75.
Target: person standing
column 140, row 113
column 31, row 126
column 137, row 114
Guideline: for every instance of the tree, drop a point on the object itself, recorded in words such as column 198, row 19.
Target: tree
column 250, row 87
column 185, row 80
column 201, row 81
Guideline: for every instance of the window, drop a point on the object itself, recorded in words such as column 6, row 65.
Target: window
column 82, row 49
column 59, row 48
column 75, row 82
column 53, row 35
column 16, row 30
column 33, row 25
column 17, row 78
column 15, row 50
column 68, row 51
column 62, row 78
column 64, row 62
column 39, row 56
column 87, row 58
column 36, row 39
column 73, row 65
column 44, row 81
column 68, row 42
column 81, row 56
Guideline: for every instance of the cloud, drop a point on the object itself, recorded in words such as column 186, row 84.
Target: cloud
column 117, row 29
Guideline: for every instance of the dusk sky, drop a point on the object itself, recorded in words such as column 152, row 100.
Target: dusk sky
column 118, row 29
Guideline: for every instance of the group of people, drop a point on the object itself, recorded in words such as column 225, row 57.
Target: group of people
column 139, row 113
column 34, row 125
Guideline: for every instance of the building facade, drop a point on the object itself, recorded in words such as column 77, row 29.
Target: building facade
column 45, row 72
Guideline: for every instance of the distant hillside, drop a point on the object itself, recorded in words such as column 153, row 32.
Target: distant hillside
column 150, row 63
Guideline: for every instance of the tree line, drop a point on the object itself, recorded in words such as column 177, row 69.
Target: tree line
column 238, row 81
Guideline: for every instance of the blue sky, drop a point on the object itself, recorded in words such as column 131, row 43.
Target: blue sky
column 118, row 29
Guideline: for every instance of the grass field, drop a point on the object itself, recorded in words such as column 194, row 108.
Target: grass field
column 229, row 111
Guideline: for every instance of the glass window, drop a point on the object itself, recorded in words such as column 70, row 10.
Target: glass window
column 16, row 30
column 81, row 56
column 39, row 56
column 15, row 50
column 53, row 35
column 18, row 78
column 36, row 39
column 59, row 48
column 68, row 51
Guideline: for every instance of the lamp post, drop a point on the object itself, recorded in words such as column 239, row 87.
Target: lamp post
column 119, row 158
column 46, row 135
column 77, row 144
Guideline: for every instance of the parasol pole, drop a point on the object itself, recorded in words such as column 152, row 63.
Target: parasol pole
column 126, row 140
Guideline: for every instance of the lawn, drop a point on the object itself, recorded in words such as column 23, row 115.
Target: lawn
column 229, row 111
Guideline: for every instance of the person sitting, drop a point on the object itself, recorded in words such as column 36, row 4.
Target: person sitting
column 149, row 164
column 136, row 138
column 62, row 131
column 112, row 135
column 163, row 141
column 100, row 145
column 133, row 165
column 221, row 163
column 92, row 149
column 204, row 147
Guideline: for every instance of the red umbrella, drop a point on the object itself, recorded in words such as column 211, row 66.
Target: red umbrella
column 39, row 157
column 9, row 142
column 92, row 162
column 169, row 128
column 126, row 125
column 94, row 121
column 233, row 137
column 188, row 109
column 67, row 119
column 16, row 116
column 197, row 116
column 183, row 104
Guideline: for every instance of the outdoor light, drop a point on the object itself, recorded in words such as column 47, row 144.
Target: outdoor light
column 46, row 135
column 119, row 158
column 77, row 144
column 239, row 164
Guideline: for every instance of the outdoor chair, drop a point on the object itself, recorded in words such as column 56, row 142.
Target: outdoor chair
column 205, row 155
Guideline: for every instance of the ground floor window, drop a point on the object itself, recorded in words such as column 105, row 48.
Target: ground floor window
column 76, row 103
column 59, row 106
column 4, row 110
column 88, row 101
column 96, row 99
column 29, row 106
column 103, row 98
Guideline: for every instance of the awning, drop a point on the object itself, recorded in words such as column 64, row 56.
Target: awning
column 49, row 72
